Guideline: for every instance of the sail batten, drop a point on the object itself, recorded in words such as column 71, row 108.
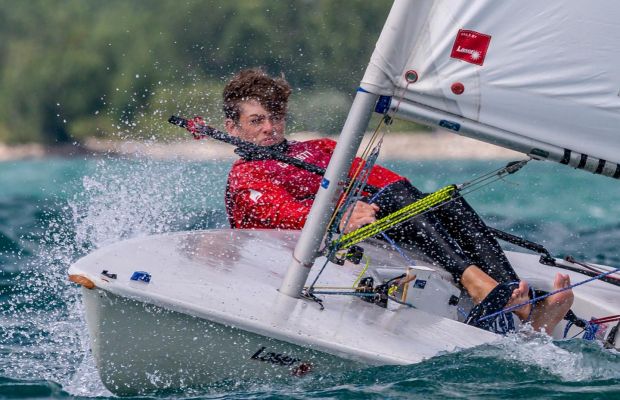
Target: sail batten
column 540, row 71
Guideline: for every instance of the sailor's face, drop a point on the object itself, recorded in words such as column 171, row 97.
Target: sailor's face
column 257, row 125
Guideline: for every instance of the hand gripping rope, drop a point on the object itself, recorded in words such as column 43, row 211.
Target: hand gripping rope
column 426, row 204
column 418, row 207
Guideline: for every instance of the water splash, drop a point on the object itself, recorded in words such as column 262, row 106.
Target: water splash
column 573, row 360
column 138, row 197
column 141, row 196
column 42, row 329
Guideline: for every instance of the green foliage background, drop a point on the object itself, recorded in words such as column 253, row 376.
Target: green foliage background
column 72, row 69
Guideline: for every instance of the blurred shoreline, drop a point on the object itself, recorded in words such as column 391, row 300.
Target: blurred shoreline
column 396, row 146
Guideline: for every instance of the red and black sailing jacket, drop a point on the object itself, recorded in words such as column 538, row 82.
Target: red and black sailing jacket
column 270, row 194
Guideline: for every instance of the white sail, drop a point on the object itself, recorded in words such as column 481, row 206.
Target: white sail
column 541, row 77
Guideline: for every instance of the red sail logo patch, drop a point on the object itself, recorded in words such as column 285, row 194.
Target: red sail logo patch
column 470, row 46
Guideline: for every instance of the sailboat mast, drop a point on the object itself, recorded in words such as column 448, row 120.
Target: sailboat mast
column 307, row 249
column 312, row 235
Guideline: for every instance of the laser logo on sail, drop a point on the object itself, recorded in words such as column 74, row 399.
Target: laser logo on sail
column 470, row 46
column 474, row 54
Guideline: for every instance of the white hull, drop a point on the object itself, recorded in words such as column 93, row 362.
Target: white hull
column 163, row 349
column 212, row 313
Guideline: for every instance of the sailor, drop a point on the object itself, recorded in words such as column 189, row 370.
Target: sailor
column 269, row 194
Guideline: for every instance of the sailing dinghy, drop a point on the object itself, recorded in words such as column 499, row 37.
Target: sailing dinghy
column 198, row 308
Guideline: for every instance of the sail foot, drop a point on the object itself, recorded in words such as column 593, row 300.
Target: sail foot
column 536, row 149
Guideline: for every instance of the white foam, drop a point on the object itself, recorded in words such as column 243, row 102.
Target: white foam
column 572, row 361
column 119, row 199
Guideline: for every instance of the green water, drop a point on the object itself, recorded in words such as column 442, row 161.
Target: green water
column 53, row 211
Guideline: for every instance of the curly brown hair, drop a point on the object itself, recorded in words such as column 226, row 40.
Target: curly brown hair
column 255, row 84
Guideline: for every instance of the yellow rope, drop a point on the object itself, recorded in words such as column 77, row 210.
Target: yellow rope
column 413, row 209
column 359, row 277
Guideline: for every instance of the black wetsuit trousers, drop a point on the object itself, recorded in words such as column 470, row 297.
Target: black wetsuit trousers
column 452, row 235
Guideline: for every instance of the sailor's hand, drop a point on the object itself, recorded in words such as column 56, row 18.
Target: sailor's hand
column 363, row 214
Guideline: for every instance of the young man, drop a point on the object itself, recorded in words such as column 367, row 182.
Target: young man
column 269, row 194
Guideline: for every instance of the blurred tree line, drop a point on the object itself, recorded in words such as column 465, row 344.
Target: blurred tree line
column 73, row 69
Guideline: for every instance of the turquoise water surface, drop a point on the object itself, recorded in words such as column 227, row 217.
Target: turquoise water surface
column 54, row 210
